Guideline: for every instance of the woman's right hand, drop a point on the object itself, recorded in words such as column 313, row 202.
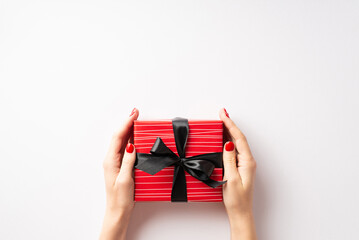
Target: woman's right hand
column 239, row 171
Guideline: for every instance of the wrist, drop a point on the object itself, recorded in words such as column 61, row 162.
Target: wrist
column 239, row 211
column 114, row 225
column 242, row 225
column 117, row 216
column 235, row 216
column 116, row 210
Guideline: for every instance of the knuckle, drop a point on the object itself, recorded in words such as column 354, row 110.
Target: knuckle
column 127, row 161
column 241, row 139
column 106, row 165
column 236, row 131
column 116, row 136
column 230, row 161
column 233, row 129
column 252, row 164
column 123, row 181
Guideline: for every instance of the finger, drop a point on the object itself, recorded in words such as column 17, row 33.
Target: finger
column 247, row 171
column 238, row 137
column 229, row 161
column 119, row 140
column 121, row 136
column 128, row 162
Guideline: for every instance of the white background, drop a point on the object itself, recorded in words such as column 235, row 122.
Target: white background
column 71, row 72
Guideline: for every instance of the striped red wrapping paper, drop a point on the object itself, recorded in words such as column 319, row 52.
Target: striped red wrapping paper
column 205, row 136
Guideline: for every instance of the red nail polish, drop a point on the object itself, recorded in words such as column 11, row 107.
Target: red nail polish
column 229, row 146
column 225, row 111
column 129, row 148
column 133, row 111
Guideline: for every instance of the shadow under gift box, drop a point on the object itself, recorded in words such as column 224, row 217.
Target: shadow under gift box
column 205, row 136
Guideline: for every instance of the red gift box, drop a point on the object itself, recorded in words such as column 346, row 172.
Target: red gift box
column 205, row 136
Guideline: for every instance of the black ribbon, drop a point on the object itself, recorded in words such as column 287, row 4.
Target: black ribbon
column 199, row 166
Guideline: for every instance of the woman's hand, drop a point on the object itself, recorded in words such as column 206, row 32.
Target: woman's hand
column 239, row 171
column 118, row 169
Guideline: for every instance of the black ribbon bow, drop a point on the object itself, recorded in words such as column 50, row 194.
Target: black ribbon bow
column 199, row 166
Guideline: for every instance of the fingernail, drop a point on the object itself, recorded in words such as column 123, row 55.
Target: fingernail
column 133, row 111
column 129, row 148
column 225, row 111
column 229, row 146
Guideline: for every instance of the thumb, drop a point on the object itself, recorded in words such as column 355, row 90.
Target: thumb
column 229, row 161
column 128, row 162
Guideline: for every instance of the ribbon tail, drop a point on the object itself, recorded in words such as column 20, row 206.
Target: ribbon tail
column 213, row 183
column 179, row 186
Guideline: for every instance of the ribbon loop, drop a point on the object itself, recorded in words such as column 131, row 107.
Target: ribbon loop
column 160, row 148
column 199, row 169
